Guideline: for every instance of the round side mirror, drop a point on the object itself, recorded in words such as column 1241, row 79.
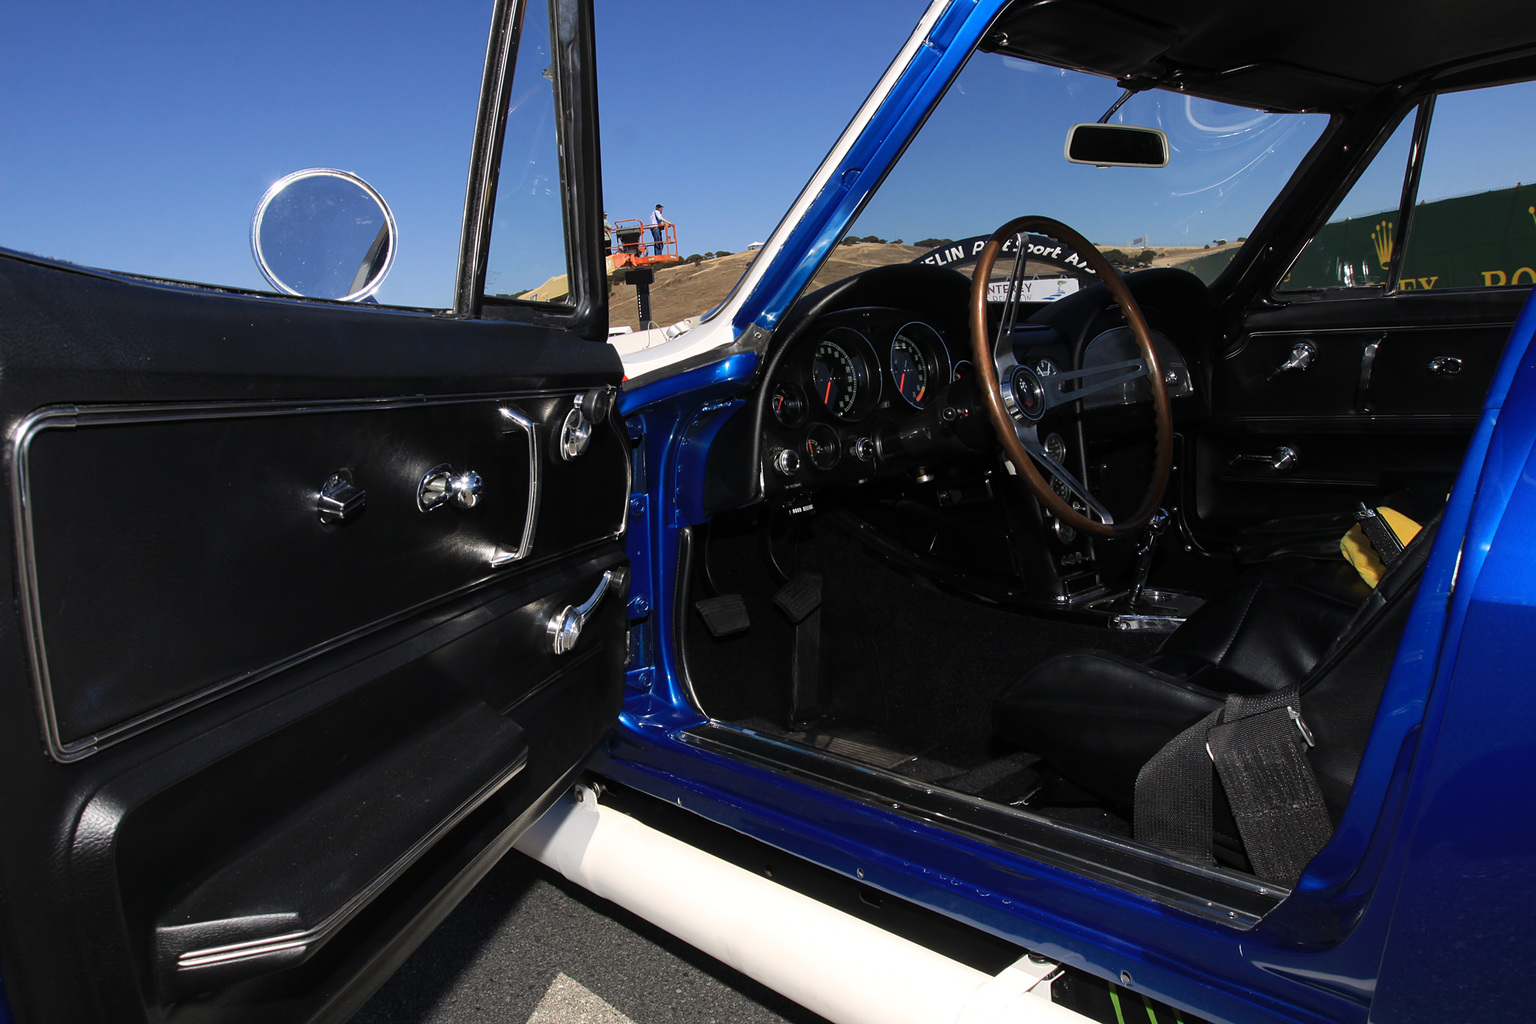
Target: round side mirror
column 324, row 234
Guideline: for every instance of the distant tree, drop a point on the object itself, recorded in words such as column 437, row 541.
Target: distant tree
column 1206, row 246
column 1241, row 239
column 873, row 238
column 933, row 243
column 1145, row 258
column 850, row 240
column 1118, row 258
column 695, row 258
column 896, row 241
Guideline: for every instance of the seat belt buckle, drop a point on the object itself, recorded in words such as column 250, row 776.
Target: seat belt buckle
column 1301, row 726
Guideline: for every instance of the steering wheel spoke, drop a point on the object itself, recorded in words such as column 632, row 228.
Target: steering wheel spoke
column 1074, row 385
column 1038, row 452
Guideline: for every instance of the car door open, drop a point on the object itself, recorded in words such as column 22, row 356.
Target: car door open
column 318, row 605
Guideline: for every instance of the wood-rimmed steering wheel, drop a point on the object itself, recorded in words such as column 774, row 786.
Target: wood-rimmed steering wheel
column 1019, row 397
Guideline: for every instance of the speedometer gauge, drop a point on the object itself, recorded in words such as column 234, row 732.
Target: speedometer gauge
column 840, row 373
column 919, row 363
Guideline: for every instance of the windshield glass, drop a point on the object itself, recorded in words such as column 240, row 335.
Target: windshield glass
column 993, row 150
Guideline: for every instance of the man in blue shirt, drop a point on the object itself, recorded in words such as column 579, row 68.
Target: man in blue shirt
column 658, row 225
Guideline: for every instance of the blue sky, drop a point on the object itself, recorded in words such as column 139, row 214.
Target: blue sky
column 697, row 116
column 140, row 138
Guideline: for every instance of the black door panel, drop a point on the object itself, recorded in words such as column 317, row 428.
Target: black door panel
column 251, row 756
column 1441, row 371
column 1383, row 411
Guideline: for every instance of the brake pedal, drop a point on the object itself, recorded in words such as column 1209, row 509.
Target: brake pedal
column 724, row 616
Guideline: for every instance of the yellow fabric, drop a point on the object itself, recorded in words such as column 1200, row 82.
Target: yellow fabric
column 1357, row 549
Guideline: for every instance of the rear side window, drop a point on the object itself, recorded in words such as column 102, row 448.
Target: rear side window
column 1469, row 223
column 140, row 137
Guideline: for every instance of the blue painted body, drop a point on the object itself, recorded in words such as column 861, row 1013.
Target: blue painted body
column 1419, row 903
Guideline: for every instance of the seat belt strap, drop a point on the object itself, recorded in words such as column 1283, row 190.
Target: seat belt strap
column 1172, row 807
column 1258, row 747
column 1260, row 751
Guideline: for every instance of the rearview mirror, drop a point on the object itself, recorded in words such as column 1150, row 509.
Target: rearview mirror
column 1117, row 145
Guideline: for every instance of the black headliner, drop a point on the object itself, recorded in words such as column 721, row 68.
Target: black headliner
column 1298, row 55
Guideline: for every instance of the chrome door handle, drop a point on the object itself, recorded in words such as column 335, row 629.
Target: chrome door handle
column 1445, row 366
column 1301, row 357
column 1281, row 460
column 565, row 627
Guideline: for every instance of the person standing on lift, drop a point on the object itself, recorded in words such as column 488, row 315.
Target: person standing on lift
column 658, row 225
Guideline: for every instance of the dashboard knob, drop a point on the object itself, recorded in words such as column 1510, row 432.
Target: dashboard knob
column 785, row 461
column 864, row 449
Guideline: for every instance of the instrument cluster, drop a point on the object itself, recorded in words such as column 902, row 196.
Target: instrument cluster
column 855, row 372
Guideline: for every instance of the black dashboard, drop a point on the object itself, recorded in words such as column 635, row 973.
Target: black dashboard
column 873, row 377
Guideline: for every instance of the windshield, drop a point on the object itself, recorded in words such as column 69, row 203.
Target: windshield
column 993, row 150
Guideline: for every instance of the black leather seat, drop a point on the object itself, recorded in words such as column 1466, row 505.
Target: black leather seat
column 1097, row 718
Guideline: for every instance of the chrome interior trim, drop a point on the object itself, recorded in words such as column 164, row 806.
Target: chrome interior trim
column 251, row 949
column 530, row 522
column 70, row 417
column 1214, row 894
column 565, row 626
column 575, row 434
column 1367, row 364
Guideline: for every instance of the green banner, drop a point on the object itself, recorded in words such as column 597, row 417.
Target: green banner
column 1484, row 240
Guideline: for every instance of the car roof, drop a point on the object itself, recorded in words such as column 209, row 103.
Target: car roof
column 1300, row 55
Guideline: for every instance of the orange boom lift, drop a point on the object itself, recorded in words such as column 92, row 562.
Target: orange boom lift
column 633, row 250
column 632, row 245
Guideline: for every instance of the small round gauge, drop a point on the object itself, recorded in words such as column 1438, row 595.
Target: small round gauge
column 910, row 371
column 919, row 363
column 788, row 403
column 1056, row 448
column 821, row 446
column 840, row 373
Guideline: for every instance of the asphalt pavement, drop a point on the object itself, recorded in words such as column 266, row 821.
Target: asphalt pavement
column 528, row 947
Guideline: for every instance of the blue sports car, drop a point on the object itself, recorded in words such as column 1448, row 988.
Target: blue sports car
column 1115, row 600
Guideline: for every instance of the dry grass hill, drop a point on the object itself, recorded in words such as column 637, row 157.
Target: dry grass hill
column 688, row 289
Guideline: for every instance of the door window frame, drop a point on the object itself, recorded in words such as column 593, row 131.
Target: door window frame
column 576, row 125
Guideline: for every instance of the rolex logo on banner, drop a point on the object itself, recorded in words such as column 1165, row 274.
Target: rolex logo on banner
column 1381, row 238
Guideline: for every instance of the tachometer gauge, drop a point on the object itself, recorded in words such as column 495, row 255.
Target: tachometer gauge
column 919, row 363
column 840, row 373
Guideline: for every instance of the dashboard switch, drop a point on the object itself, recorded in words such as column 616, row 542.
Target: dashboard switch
column 864, row 449
column 785, row 462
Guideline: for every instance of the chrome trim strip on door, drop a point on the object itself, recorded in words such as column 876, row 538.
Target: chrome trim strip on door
column 251, row 949
column 69, row 417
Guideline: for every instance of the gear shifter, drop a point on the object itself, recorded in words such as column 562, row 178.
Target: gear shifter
column 1156, row 527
